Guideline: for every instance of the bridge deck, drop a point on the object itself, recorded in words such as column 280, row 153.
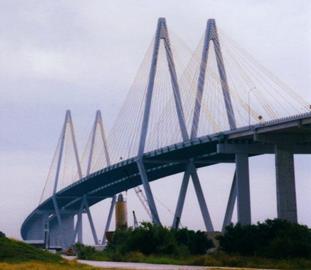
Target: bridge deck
column 165, row 162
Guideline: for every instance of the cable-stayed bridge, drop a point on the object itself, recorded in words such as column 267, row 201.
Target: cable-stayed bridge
column 216, row 106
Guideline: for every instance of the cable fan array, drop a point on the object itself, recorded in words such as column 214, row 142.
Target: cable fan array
column 256, row 95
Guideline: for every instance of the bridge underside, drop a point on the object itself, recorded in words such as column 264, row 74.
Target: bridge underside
column 282, row 138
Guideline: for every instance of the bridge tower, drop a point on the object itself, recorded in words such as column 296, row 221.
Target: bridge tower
column 240, row 185
column 61, row 223
column 54, row 225
column 62, row 230
column 98, row 128
column 162, row 35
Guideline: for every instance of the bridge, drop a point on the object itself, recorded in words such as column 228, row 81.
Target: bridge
column 177, row 120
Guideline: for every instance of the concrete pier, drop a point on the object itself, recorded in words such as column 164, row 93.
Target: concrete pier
column 243, row 190
column 62, row 237
column 285, row 184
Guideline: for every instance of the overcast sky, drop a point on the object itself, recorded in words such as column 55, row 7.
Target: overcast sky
column 83, row 55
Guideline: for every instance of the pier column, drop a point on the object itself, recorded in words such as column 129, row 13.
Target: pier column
column 56, row 236
column 285, row 184
column 243, row 193
column 80, row 228
column 36, row 229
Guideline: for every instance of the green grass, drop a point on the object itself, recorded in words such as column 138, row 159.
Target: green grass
column 36, row 265
column 219, row 260
column 16, row 251
column 16, row 255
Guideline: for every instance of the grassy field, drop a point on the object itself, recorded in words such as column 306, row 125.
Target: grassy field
column 36, row 265
column 15, row 255
column 69, row 266
column 16, row 251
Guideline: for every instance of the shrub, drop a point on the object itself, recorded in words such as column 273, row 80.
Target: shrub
column 84, row 252
column 155, row 239
column 147, row 239
column 273, row 238
column 197, row 242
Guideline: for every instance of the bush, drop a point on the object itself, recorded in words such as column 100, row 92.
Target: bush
column 146, row 239
column 155, row 239
column 197, row 242
column 273, row 238
column 84, row 252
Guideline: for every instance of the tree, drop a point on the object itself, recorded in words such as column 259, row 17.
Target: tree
column 155, row 239
column 272, row 238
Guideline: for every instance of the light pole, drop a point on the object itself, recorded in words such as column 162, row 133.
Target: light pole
column 249, row 105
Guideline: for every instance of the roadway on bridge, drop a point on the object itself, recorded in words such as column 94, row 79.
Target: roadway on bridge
column 168, row 161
